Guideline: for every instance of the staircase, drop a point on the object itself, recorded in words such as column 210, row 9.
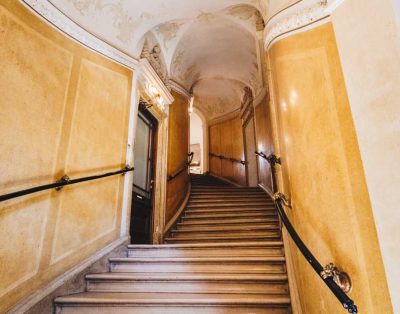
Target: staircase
column 225, row 255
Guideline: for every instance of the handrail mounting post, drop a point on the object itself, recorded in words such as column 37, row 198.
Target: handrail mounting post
column 64, row 179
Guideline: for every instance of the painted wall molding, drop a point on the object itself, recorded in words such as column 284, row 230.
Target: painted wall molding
column 60, row 21
column 225, row 117
column 179, row 89
column 304, row 15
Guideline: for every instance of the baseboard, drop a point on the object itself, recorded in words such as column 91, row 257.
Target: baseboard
column 226, row 180
column 47, row 290
column 178, row 213
column 294, row 292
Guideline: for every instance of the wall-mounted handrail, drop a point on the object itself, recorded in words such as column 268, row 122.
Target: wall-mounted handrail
column 228, row 158
column 181, row 169
column 330, row 274
column 65, row 180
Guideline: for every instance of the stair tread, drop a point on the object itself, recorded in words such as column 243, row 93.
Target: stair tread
column 172, row 298
column 187, row 277
column 207, row 245
column 228, row 221
column 222, row 235
column 202, row 209
column 200, row 215
column 238, row 227
column 197, row 259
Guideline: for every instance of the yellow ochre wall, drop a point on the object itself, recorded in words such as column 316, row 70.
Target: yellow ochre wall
column 178, row 146
column 264, row 142
column 226, row 139
column 323, row 172
column 64, row 110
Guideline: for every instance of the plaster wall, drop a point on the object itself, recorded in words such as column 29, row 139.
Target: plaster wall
column 64, row 110
column 264, row 141
column 323, row 172
column 226, row 139
column 178, row 147
column 368, row 37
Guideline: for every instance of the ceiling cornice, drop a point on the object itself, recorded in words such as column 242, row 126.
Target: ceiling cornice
column 55, row 18
column 179, row 89
column 299, row 17
column 228, row 116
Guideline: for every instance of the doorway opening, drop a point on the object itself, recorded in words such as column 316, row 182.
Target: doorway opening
column 143, row 178
column 196, row 143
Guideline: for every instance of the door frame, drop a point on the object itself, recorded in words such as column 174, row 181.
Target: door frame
column 151, row 122
column 145, row 79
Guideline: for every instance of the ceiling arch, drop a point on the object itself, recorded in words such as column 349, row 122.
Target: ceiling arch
column 201, row 42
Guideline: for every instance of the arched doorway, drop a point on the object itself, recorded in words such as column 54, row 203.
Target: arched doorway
column 197, row 143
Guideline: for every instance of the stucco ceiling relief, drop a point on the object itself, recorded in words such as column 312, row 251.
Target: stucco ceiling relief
column 122, row 21
column 169, row 31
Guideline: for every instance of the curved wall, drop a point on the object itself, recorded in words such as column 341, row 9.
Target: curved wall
column 226, row 139
column 178, row 147
column 64, row 109
column 323, row 172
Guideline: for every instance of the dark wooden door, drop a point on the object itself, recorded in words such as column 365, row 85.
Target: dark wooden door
column 143, row 180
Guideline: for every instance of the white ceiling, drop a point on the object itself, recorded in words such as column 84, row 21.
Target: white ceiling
column 207, row 45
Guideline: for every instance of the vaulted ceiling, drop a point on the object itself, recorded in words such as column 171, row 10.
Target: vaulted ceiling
column 208, row 46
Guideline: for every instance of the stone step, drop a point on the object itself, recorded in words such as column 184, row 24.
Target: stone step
column 230, row 211
column 231, row 205
column 270, row 248
column 187, row 227
column 188, row 283
column 230, row 199
column 204, row 195
column 257, row 233
column 219, row 189
column 250, row 265
column 236, row 238
column 193, row 215
column 227, row 221
column 171, row 303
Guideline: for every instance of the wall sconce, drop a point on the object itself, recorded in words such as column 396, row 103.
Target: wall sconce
column 153, row 91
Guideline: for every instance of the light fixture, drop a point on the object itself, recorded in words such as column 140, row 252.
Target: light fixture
column 153, row 91
column 191, row 102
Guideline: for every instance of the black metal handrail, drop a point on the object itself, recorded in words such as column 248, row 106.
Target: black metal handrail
column 65, row 180
column 280, row 202
column 181, row 169
column 228, row 158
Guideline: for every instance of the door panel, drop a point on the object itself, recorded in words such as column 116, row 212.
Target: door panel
column 142, row 198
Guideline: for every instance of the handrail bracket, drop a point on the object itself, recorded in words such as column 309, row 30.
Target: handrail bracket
column 341, row 278
column 64, row 180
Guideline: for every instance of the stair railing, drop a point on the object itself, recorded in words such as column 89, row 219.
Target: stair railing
column 228, row 158
column 181, row 169
column 65, row 180
column 336, row 280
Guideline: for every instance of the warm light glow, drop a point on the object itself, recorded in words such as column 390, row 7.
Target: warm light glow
column 191, row 102
column 293, row 97
column 160, row 100
column 153, row 91
column 284, row 106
